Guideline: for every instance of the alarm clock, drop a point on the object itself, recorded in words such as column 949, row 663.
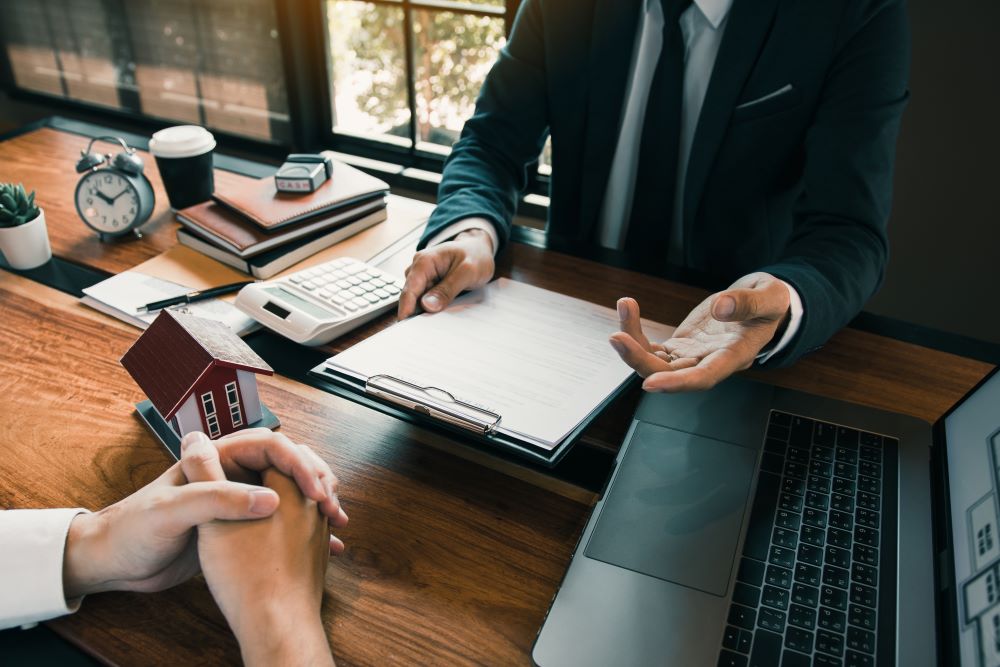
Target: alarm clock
column 113, row 197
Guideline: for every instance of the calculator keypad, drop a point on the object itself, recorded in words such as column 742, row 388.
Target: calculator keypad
column 347, row 285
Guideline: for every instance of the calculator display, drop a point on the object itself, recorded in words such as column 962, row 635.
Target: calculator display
column 298, row 302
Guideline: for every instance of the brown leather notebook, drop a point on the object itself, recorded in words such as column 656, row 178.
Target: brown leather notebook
column 264, row 205
column 232, row 232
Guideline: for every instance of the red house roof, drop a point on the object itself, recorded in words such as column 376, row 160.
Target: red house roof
column 176, row 350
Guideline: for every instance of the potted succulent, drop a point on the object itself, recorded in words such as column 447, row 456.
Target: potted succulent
column 24, row 240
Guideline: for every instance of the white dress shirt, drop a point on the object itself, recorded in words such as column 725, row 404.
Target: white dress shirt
column 702, row 26
column 32, row 547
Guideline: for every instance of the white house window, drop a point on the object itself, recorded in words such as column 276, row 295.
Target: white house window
column 991, row 591
column 234, row 404
column 996, row 631
column 984, row 539
column 210, row 417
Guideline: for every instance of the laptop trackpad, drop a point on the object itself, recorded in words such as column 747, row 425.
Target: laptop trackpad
column 675, row 508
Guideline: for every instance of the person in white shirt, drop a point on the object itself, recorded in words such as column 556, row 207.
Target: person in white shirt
column 249, row 538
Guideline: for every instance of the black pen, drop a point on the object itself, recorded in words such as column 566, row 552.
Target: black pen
column 199, row 295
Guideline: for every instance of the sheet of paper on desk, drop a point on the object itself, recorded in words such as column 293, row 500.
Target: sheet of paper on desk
column 121, row 296
column 539, row 359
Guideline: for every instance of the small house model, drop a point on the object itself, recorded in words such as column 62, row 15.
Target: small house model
column 198, row 375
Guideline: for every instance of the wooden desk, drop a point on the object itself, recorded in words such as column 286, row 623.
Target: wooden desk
column 448, row 561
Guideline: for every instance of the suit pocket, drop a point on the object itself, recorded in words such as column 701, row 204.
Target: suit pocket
column 778, row 100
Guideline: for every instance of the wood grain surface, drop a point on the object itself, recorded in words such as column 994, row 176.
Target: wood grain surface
column 450, row 560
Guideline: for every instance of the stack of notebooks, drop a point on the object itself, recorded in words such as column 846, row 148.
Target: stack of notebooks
column 260, row 231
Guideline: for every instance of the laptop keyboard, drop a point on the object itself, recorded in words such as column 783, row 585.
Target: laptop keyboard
column 806, row 590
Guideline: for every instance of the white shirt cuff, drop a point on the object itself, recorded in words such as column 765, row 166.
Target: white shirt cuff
column 32, row 547
column 794, row 322
column 456, row 228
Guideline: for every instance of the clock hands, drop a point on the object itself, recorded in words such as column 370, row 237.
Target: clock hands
column 107, row 199
column 115, row 198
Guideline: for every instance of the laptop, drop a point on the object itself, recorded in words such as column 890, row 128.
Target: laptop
column 753, row 525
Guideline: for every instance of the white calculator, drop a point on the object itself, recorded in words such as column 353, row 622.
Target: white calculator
column 318, row 304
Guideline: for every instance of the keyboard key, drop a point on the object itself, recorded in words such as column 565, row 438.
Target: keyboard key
column 814, row 517
column 778, row 576
column 766, row 648
column 778, row 432
column 788, row 539
column 829, row 642
column 730, row 659
column 771, row 462
column 807, row 596
column 869, row 485
column 746, row 595
column 731, row 637
column 812, row 535
column 860, row 640
column 819, row 501
column 368, row 287
column 867, row 518
column 776, row 447
column 796, row 470
column 762, row 517
column 839, row 538
column 838, row 557
column 863, row 595
column 357, row 291
column 808, row 574
column 817, row 467
column 833, row 598
column 372, row 298
column 323, row 294
column 800, row 640
column 870, row 439
column 801, row 432
column 803, row 617
column 824, row 454
column 847, row 437
column 866, row 536
column 310, row 285
column 818, row 484
column 790, row 502
column 847, row 455
column 869, row 501
column 353, row 280
column 297, row 279
column 824, row 434
column 841, row 520
column 751, row 572
column 820, row 660
column 864, row 574
column 841, row 503
column 775, row 597
column 351, row 306
column 364, row 276
column 391, row 289
column 793, row 659
column 785, row 519
column 870, row 454
column 845, row 470
column 836, row 576
column 844, row 487
column 359, row 302
column 794, row 486
column 798, row 455
column 771, row 619
column 810, row 555
column 865, row 554
column 862, row 617
column 855, row 659
column 742, row 617
column 831, row 619
column 870, row 468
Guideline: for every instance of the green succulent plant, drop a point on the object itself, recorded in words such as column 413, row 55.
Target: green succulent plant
column 16, row 207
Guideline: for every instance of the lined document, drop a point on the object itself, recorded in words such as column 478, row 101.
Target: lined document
column 539, row 359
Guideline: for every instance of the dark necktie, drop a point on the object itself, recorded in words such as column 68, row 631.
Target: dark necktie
column 648, row 239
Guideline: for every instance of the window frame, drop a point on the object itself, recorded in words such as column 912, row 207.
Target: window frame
column 310, row 103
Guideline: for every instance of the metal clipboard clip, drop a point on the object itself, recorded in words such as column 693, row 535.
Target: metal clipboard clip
column 433, row 402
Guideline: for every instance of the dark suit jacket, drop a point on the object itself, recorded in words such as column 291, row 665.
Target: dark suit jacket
column 798, row 185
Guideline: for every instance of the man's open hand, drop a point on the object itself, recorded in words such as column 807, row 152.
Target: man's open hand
column 722, row 335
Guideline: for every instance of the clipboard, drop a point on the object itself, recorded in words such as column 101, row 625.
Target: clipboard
column 437, row 409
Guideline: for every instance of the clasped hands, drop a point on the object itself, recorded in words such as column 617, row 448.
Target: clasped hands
column 253, row 511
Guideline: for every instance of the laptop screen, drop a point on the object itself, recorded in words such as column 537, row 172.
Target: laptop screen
column 973, row 436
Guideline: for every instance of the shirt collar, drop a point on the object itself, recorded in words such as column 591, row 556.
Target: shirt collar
column 714, row 10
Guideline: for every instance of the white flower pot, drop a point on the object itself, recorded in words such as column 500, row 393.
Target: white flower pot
column 26, row 246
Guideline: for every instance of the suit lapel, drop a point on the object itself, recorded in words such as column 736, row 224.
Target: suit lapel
column 747, row 26
column 612, row 43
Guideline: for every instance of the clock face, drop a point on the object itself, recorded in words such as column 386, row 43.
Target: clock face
column 107, row 201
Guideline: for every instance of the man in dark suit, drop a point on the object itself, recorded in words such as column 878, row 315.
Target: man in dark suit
column 746, row 140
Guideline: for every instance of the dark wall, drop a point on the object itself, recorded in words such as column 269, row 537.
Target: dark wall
column 944, row 269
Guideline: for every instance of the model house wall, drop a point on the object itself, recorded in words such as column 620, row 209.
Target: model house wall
column 251, row 400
